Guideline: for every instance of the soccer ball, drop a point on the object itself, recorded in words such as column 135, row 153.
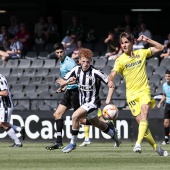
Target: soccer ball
column 110, row 112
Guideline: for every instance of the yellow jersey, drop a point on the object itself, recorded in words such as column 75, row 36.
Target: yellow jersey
column 133, row 70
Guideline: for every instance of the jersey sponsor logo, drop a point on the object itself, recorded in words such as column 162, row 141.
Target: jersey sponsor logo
column 136, row 63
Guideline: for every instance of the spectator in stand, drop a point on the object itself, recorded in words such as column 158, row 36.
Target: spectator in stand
column 127, row 21
column 69, row 43
column 15, row 49
column 112, row 45
column 40, row 29
column 79, row 46
column 90, row 35
column 75, row 27
column 140, row 19
column 13, row 28
column 166, row 51
column 166, row 55
column 3, row 38
column 52, row 33
column 146, row 32
column 114, row 57
column 24, row 37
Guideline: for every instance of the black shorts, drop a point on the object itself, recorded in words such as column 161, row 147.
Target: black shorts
column 167, row 111
column 71, row 99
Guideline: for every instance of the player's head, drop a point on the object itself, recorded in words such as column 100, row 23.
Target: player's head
column 167, row 76
column 85, row 58
column 126, row 42
column 59, row 51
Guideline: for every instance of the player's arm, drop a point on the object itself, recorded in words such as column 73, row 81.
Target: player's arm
column 111, row 86
column 111, row 77
column 162, row 100
column 109, row 95
column 63, row 82
column 4, row 93
column 156, row 47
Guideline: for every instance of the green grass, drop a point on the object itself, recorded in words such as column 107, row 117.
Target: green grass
column 97, row 156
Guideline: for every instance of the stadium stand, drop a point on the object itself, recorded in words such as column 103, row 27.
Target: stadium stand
column 24, row 80
column 165, row 62
column 17, row 72
column 155, row 79
column 100, row 63
column 161, row 70
column 34, row 78
column 2, row 63
column 154, row 62
column 12, row 63
column 49, row 63
column 24, row 63
column 149, row 70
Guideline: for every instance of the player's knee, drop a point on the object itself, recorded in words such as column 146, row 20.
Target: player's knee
column 57, row 115
column 75, row 118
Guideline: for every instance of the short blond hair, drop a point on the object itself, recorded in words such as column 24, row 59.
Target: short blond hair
column 85, row 52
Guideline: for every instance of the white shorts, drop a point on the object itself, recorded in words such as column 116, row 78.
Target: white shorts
column 5, row 114
column 91, row 109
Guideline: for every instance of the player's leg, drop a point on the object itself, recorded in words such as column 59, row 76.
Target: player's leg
column 19, row 129
column 5, row 115
column 87, row 128
column 59, row 126
column 102, row 125
column 86, row 134
column 80, row 113
column 166, row 132
column 166, row 124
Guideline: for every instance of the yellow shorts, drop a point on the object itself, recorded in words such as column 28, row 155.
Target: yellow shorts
column 138, row 100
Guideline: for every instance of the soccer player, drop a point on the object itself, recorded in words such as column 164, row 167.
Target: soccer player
column 166, row 96
column 131, row 65
column 87, row 128
column 6, row 108
column 71, row 95
column 88, row 79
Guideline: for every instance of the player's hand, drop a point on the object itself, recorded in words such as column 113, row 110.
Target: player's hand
column 142, row 38
column 72, row 79
column 61, row 81
column 107, row 102
column 159, row 105
column 59, row 90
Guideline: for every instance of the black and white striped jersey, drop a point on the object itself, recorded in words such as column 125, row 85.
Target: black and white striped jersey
column 89, row 83
column 5, row 101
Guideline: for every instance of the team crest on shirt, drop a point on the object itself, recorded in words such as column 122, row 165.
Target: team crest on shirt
column 90, row 77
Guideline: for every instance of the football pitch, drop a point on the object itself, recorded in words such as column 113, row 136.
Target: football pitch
column 97, row 156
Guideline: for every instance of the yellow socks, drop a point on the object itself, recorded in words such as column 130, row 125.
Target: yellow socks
column 143, row 126
column 149, row 138
column 86, row 131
